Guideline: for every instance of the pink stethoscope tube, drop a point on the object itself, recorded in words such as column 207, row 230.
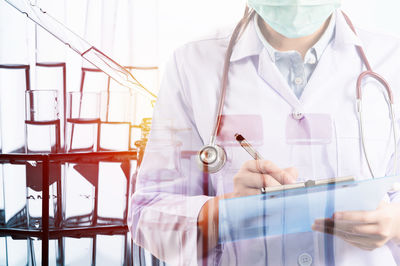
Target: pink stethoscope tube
column 370, row 73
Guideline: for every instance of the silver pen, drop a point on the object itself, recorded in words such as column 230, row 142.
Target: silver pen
column 248, row 147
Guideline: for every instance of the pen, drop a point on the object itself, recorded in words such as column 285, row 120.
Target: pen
column 250, row 149
column 247, row 146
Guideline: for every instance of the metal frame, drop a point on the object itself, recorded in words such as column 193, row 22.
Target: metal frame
column 45, row 233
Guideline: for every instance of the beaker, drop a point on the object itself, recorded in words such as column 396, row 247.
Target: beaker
column 83, row 118
column 42, row 126
column 42, row 123
column 115, row 126
column 81, row 179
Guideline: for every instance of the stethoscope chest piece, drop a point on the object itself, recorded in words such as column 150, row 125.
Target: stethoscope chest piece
column 211, row 158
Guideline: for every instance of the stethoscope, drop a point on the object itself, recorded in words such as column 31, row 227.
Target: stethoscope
column 213, row 157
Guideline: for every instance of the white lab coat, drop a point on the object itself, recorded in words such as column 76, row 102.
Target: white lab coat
column 170, row 191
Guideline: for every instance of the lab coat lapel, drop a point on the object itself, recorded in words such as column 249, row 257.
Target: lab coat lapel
column 268, row 71
column 321, row 77
column 328, row 67
column 250, row 45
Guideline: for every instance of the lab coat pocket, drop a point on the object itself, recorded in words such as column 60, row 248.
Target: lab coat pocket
column 311, row 144
column 248, row 125
column 308, row 130
column 378, row 140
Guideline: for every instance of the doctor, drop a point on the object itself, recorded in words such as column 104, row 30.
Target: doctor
column 293, row 61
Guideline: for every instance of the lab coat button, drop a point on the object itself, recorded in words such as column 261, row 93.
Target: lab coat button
column 298, row 115
column 305, row 259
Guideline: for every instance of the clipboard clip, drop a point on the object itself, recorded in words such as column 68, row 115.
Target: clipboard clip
column 308, row 184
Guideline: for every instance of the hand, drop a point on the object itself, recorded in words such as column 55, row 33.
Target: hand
column 367, row 230
column 256, row 174
column 252, row 176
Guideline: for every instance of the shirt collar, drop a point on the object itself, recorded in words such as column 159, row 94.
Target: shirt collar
column 250, row 44
column 316, row 51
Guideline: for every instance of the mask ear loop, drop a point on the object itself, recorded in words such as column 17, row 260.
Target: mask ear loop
column 370, row 73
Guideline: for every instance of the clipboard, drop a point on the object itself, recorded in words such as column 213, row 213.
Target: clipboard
column 293, row 208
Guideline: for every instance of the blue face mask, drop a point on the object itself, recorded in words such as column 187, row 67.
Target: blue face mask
column 294, row 18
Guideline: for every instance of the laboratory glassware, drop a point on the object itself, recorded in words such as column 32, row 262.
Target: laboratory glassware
column 42, row 121
column 53, row 75
column 81, row 46
column 81, row 179
column 14, row 81
column 115, row 126
column 42, row 125
column 83, row 118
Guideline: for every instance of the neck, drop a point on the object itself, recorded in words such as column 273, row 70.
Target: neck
column 282, row 43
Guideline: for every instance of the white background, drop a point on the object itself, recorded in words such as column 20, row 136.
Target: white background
column 157, row 26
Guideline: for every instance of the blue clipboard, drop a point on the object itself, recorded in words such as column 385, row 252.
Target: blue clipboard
column 294, row 211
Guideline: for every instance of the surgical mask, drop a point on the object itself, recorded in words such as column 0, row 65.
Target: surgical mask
column 294, row 18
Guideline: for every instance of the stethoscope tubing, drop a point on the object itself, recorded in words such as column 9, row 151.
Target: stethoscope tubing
column 224, row 83
column 390, row 101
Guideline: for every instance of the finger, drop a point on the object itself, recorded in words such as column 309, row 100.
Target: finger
column 370, row 231
column 293, row 172
column 285, row 177
column 268, row 167
column 269, row 181
column 257, row 180
column 363, row 246
column 334, row 231
column 280, row 175
column 325, row 229
column 350, row 235
column 263, row 166
column 325, row 222
column 340, row 223
column 361, row 217
column 248, row 192
column 365, row 243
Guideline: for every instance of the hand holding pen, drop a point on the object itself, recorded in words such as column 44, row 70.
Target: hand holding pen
column 255, row 175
